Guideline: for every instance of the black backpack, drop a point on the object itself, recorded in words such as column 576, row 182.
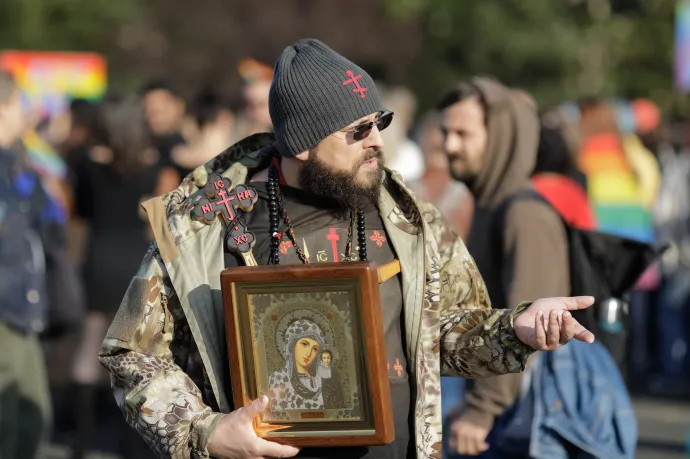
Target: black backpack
column 602, row 265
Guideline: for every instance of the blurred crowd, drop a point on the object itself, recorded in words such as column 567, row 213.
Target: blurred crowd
column 612, row 165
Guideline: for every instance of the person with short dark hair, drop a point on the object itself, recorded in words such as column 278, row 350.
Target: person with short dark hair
column 165, row 112
column 556, row 177
column 165, row 108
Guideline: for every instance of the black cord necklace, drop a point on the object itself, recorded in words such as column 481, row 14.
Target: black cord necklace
column 275, row 209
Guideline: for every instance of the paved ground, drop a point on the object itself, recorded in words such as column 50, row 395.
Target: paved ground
column 664, row 429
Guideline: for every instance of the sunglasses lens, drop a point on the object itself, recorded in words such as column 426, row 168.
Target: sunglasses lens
column 363, row 132
column 385, row 121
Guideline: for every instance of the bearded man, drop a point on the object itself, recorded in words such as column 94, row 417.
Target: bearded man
column 321, row 182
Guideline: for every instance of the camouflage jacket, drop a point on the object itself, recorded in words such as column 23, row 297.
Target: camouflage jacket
column 173, row 307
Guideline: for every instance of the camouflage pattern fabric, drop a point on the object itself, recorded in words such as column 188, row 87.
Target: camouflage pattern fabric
column 141, row 351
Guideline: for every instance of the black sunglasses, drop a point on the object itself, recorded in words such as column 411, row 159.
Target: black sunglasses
column 362, row 131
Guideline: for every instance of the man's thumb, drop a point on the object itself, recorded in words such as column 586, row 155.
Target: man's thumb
column 255, row 408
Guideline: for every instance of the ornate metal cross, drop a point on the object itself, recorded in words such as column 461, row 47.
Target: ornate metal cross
column 222, row 200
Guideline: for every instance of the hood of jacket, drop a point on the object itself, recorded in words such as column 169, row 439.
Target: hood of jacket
column 513, row 137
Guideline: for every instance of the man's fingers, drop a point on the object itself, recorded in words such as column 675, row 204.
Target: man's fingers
column 578, row 302
column 454, row 436
column 539, row 333
column 470, row 445
column 573, row 329
column 568, row 325
column 453, row 443
column 463, row 444
column 468, row 439
column 582, row 334
column 271, row 449
column 252, row 410
column 478, row 445
column 483, row 446
column 554, row 333
column 474, row 443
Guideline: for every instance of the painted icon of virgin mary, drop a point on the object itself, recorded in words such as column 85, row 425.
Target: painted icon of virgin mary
column 297, row 386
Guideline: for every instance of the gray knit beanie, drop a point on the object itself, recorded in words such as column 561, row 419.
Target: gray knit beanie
column 316, row 92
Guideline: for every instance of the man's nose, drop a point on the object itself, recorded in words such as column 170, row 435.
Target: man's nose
column 452, row 143
column 374, row 140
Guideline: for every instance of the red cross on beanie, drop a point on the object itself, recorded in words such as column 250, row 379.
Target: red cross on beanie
column 316, row 92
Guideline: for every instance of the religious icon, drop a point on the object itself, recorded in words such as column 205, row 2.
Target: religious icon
column 310, row 337
column 297, row 385
column 308, row 328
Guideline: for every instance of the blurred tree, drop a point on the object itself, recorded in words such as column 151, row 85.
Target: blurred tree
column 64, row 25
column 207, row 38
column 559, row 49
column 61, row 24
column 555, row 49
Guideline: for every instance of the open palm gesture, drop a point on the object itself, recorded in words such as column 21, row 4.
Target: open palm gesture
column 546, row 324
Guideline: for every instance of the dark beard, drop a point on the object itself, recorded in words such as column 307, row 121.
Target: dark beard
column 319, row 178
column 467, row 180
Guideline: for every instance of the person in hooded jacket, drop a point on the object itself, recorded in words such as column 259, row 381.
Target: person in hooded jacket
column 491, row 138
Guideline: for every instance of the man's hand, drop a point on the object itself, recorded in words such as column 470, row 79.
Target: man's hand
column 467, row 438
column 547, row 324
column 234, row 437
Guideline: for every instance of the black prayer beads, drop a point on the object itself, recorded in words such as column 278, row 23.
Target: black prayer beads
column 271, row 189
column 361, row 236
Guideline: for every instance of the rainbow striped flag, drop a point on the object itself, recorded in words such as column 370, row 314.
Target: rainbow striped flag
column 613, row 188
column 45, row 160
column 49, row 80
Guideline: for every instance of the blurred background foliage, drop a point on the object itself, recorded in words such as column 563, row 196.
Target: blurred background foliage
column 555, row 49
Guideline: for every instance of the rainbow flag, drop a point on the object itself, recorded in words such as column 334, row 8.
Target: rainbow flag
column 49, row 80
column 43, row 157
column 613, row 188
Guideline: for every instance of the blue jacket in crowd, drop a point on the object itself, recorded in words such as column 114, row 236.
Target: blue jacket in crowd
column 31, row 226
column 575, row 393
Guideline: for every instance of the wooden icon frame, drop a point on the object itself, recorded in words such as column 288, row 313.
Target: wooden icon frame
column 340, row 300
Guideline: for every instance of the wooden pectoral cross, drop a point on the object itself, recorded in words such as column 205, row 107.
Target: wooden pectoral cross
column 221, row 201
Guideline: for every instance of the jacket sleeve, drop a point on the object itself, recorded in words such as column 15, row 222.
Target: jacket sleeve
column 142, row 351
column 535, row 266
column 475, row 340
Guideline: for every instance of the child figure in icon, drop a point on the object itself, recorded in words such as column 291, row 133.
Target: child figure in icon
column 297, row 385
column 331, row 388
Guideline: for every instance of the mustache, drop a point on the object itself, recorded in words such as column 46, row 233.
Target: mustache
column 371, row 153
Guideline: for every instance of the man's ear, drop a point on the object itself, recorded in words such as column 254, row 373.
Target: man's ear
column 303, row 156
